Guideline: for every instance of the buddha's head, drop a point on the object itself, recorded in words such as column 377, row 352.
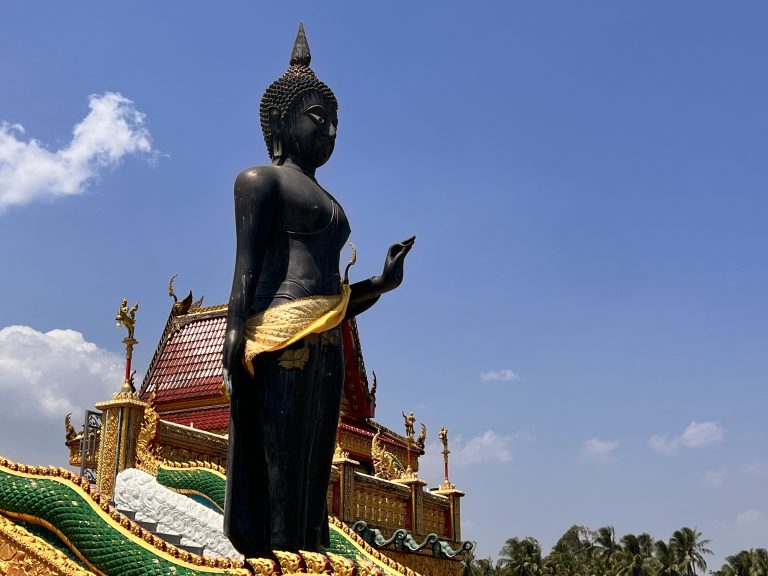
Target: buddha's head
column 298, row 112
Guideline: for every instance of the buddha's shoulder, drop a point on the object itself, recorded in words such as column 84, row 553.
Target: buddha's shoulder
column 258, row 177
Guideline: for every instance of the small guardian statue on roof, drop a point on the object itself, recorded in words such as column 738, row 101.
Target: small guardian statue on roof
column 410, row 420
column 127, row 316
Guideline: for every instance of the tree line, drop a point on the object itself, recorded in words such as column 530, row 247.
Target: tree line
column 584, row 552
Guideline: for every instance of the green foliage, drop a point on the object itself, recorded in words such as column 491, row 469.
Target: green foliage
column 520, row 558
column 584, row 552
column 753, row 562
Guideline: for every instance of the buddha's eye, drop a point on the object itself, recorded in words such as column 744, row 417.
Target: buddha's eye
column 317, row 114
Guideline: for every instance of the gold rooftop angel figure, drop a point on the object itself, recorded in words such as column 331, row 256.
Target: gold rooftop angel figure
column 127, row 316
column 410, row 420
column 443, row 436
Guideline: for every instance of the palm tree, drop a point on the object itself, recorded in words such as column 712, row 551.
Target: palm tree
column 562, row 564
column 737, row 565
column 636, row 557
column 484, row 567
column 606, row 547
column 520, row 557
column 760, row 561
column 572, row 554
column 666, row 561
column 574, row 541
column 689, row 548
column 745, row 563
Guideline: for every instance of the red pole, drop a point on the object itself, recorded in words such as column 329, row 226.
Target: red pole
column 409, row 452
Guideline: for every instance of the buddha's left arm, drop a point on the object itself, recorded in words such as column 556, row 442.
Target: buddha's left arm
column 366, row 292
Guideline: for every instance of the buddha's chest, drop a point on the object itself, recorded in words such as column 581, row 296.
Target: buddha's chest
column 310, row 211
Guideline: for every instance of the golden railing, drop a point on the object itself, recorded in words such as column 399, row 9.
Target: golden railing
column 393, row 504
column 380, row 502
column 437, row 511
column 178, row 443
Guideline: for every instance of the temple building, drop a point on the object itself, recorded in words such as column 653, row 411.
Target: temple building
column 152, row 461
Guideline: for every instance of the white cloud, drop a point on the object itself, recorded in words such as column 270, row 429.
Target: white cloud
column 661, row 443
column 52, row 373
column 749, row 518
column 597, row 449
column 701, row 434
column 43, row 376
column 29, row 171
column 742, row 531
column 714, row 477
column 695, row 435
column 490, row 447
column 505, row 375
column 487, row 448
column 759, row 469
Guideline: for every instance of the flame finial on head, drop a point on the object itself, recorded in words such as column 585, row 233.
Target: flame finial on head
column 301, row 55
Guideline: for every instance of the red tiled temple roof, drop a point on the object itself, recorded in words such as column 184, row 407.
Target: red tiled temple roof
column 186, row 372
column 208, row 419
column 357, row 401
column 187, row 364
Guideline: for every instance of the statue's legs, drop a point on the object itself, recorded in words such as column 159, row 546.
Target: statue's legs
column 246, row 504
column 282, row 437
column 325, row 401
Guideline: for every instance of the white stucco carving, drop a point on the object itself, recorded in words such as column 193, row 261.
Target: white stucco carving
column 174, row 513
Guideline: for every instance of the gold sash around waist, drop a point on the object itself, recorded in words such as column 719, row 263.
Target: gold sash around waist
column 278, row 327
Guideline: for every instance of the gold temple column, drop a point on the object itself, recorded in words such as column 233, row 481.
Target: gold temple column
column 416, row 486
column 346, row 467
column 454, row 497
column 120, row 425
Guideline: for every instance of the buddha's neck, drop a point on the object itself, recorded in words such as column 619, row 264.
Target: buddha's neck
column 296, row 164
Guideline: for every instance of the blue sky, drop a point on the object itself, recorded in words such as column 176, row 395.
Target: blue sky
column 584, row 308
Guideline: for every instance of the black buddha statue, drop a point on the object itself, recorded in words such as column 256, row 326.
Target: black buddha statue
column 283, row 359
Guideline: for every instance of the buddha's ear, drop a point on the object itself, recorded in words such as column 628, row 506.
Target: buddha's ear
column 275, row 129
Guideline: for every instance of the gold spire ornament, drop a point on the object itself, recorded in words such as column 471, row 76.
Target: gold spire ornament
column 443, row 435
column 422, row 439
column 410, row 420
column 126, row 317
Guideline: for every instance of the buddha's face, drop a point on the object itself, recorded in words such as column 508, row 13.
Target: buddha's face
column 311, row 133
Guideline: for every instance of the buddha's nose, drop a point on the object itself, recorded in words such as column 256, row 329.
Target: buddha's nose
column 332, row 131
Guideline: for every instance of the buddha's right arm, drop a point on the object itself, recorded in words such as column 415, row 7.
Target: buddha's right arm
column 255, row 200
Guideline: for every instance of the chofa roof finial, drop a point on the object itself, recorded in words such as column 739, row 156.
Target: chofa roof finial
column 300, row 55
